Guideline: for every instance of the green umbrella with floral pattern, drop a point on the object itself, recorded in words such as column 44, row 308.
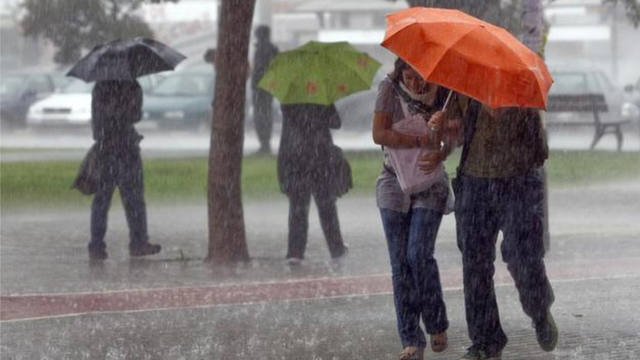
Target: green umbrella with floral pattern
column 319, row 73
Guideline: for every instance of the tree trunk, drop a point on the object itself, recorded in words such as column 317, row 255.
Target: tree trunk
column 227, row 241
column 532, row 24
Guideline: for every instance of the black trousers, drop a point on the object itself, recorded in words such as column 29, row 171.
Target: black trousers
column 125, row 173
column 263, row 117
column 514, row 206
column 299, row 201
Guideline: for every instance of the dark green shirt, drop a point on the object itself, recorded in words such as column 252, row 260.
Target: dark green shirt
column 506, row 145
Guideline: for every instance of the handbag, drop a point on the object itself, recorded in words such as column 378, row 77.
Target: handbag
column 404, row 161
column 88, row 178
column 340, row 180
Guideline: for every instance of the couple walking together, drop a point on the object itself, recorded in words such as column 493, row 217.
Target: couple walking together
column 498, row 187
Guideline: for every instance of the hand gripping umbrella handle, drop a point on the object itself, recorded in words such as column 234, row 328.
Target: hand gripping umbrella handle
column 444, row 109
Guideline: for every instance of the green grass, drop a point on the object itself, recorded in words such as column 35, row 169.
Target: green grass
column 169, row 180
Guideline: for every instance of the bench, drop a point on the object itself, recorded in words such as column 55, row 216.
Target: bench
column 588, row 103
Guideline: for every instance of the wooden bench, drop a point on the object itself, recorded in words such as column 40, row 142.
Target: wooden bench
column 588, row 103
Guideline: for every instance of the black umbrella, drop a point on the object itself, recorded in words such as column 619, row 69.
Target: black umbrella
column 126, row 60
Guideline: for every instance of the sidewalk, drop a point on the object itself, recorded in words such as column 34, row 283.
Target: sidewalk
column 354, row 327
column 56, row 304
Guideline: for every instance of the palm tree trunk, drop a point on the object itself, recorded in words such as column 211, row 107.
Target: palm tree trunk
column 227, row 241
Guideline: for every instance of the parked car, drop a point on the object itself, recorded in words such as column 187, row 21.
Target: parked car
column 633, row 92
column 18, row 91
column 577, row 81
column 356, row 110
column 181, row 99
column 71, row 105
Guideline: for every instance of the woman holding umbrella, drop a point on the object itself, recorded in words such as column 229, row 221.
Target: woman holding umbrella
column 411, row 221
column 307, row 81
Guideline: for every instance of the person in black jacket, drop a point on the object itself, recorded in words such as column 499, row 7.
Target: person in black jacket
column 115, row 107
column 262, row 100
column 310, row 164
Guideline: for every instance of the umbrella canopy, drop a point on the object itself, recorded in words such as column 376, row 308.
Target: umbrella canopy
column 468, row 55
column 126, row 60
column 319, row 73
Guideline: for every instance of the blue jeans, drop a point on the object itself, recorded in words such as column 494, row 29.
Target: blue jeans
column 417, row 291
column 514, row 206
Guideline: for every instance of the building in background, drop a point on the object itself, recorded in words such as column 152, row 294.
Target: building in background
column 588, row 33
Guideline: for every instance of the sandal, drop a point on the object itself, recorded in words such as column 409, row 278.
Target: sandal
column 439, row 342
column 412, row 353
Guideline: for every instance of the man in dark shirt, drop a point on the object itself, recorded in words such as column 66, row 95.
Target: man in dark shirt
column 500, row 187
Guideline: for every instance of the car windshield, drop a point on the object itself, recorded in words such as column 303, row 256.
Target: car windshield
column 11, row 84
column 77, row 87
column 61, row 80
column 185, row 84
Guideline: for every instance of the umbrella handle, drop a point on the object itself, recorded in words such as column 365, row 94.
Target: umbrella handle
column 444, row 109
column 446, row 102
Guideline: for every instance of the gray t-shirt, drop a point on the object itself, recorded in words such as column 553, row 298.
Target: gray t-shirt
column 389, row 195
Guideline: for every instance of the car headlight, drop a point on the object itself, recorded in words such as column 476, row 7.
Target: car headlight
column 630, row 111
column 174, row 114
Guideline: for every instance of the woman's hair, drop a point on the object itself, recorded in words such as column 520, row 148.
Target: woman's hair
column 118, row 99
column 398, row 67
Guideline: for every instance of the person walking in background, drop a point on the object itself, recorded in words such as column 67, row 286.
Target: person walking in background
column 262, row 100
column 411, row 220
column 499, row 187
column 115, row 107
column 310, row 164
column 209, row 56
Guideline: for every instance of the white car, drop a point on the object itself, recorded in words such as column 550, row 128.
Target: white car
column 71, row 105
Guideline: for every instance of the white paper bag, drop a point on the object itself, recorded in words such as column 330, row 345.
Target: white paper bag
column 405, row 161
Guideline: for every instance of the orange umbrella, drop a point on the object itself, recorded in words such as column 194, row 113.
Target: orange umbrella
column 468, row 55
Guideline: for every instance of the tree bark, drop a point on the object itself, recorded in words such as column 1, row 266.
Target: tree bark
column 227, row 241
column 532, row 23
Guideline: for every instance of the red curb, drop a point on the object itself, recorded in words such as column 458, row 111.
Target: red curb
column 47, row 305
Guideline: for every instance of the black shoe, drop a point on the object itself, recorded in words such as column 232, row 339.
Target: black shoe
column 97, row 252
column 547, row 333
column 143, row 249
column 475, row 353
column 341, row 255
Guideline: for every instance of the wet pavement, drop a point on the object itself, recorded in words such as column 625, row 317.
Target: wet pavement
column 350, row 327
column 56, row 304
